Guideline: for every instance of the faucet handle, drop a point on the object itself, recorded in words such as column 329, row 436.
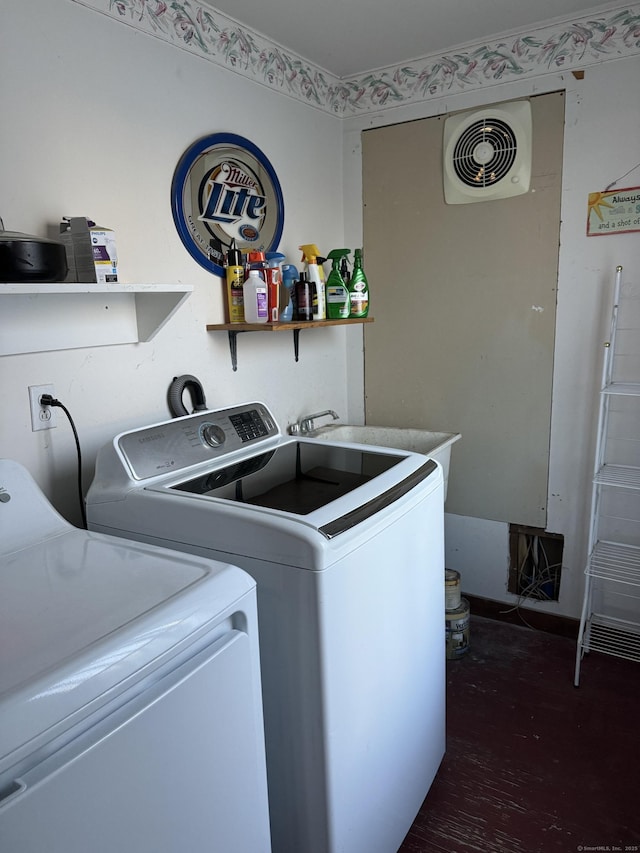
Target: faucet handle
column 305, row 424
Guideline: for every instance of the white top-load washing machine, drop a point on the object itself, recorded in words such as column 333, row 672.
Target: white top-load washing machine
column 346, row 545
column 130, row 708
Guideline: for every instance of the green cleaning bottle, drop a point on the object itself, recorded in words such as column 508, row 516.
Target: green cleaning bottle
column 358, row 288
column 337, row 293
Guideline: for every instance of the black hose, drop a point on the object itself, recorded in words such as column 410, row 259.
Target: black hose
column 177, row 389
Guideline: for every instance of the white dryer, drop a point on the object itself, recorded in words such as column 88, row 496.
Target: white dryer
column 130, row 708
column 346, row 545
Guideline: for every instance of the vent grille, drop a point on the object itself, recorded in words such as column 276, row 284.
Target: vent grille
column 485, row 152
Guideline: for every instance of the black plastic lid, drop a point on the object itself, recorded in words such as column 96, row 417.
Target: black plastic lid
column 234, row 255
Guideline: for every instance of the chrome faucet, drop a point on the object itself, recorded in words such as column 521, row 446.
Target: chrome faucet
column 306, row 425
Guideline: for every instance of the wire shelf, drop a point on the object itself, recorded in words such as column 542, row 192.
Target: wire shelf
column 629, row 389
column 615, row 562
column 623, row 476
column 612, row 637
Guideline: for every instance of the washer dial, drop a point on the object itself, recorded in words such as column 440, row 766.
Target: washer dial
column 212, row 435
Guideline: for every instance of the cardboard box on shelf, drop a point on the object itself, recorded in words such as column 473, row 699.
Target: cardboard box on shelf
column 91, row 251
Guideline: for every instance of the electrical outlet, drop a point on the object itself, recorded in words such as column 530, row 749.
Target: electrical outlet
column 42, row 417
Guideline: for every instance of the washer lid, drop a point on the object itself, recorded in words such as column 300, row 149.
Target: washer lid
column 298, row 477
column 84, row 615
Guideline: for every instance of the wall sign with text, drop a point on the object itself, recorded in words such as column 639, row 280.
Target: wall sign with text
column 224, row 187
column 613, row 212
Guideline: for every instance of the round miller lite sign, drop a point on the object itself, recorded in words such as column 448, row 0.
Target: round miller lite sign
column 224, row 189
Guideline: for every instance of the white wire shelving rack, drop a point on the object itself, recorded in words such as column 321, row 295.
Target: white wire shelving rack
column 613, row 564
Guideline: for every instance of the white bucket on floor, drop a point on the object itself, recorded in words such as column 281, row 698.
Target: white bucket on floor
column 457, row 630
column 451, row 589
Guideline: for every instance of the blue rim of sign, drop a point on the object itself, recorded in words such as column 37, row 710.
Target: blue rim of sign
column 192, row 173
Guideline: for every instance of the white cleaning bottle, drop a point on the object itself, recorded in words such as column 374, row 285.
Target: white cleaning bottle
column 319, row 296
column 254, row 291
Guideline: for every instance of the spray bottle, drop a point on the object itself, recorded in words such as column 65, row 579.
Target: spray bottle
column 338, row 302
column 315, row 275
column 358, row 288
column 344, row 271
column 235, row 280
column 318, row 286
column 311, row 250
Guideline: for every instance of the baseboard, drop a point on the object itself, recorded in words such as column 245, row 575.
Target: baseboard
column 502, row 611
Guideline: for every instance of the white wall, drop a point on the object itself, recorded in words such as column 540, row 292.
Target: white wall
column 95, row 118
column 601, row 133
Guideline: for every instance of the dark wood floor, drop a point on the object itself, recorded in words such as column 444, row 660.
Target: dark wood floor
column 533, row 764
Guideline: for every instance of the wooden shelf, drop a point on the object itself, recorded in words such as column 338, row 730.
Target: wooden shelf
column 233, row 329
column 283, row 327
column 56, row 316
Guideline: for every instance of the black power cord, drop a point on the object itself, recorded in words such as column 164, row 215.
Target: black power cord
column 48, row 400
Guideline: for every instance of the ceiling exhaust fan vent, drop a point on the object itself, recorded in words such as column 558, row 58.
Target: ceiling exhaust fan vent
column 487, row 153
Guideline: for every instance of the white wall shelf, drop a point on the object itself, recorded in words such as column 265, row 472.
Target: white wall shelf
column 45, row 317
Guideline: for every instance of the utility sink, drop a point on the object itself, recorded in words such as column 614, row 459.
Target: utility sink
column 435, row 445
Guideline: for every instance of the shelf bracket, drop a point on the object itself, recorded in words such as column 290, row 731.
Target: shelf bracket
column 234, row 329
column 233, row 346
column 233, row 349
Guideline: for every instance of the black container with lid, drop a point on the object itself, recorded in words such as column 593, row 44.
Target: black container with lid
column 29, row 259
column 304, row 299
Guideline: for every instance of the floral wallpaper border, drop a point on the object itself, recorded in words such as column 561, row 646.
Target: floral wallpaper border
column 205, row 31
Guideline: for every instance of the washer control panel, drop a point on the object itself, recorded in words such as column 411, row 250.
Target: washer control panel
column 183, row 442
